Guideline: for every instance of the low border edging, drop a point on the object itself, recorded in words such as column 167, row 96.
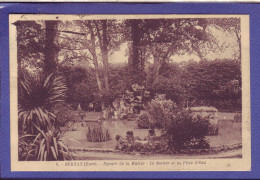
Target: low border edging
column 188, row 151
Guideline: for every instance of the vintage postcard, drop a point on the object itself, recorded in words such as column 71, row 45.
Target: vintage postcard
column 129, row 92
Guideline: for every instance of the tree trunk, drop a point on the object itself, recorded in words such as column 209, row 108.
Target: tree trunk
column 50, row 48
column 105, row 53
column 159, row 59
column 136, row 41
column 156, row 67
column 95, row 60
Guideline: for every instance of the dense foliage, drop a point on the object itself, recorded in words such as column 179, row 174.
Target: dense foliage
column 143, row 121
column 90, row 44
column 202, row 82
column 187, row 84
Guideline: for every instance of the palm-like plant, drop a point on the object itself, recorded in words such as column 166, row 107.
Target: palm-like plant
column 37, row 95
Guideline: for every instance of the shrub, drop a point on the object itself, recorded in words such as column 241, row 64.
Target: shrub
column 160, row 110
column 154, row 144
column 143, row 121
column 97, row 134
column 183, row 128
column 200, row 143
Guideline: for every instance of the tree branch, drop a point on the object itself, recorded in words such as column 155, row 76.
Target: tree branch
column 69, row 32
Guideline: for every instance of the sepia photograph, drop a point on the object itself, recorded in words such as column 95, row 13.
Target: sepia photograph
column 129, row 92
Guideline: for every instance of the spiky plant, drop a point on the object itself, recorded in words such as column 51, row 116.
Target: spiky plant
column 37, row 95
column 39, row 137
column 97, row 134
column 45, row 146
column 50, row 146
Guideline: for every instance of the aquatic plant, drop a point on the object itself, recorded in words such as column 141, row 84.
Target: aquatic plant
column 97, row 134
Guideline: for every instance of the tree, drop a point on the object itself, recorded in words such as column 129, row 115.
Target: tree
column 201, row 81
column 93, row 40
column 230, row 25
column 94, row 54
column 104, row 49
column 30, row 45
column 51, row 50
column 135, row 61
column 169, row 82
column 36, row 46
column 160, row 39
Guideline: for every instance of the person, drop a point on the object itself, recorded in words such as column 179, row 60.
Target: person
column 151, row 135
column 130, row 136
column 120, row 143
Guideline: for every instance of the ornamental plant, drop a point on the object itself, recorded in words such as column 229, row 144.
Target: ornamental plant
column 39, row 137
column 37, row 96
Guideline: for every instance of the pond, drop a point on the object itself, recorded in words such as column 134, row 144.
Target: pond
column 115, row 128
column 229, row 133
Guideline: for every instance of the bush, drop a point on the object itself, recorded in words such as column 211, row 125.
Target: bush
column 183, row 129
column 64, row 115
column 143, row 121
column 160, row 110
column 97, row 134
column 153, row 144
column 200, row 143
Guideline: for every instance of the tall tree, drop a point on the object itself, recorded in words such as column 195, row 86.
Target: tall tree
column 163, row 38
column 103, row 43
column 94, row 54
column 136, row 53
column 92, row 40
column 51, row 49
column 136, row 39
